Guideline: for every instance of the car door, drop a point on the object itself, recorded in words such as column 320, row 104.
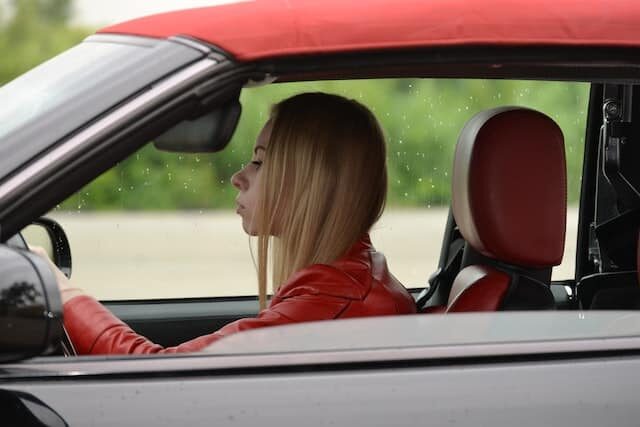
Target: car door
column 563, row 368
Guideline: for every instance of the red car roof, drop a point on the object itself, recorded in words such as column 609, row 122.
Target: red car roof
column 268, row 28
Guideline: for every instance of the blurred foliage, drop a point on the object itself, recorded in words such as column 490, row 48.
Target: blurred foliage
column 32, row 31
column 421, row 119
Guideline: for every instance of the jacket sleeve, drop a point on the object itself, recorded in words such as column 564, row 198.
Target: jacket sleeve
column 95, row 330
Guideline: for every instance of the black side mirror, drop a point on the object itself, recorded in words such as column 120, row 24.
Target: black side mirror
column 30, row 305
column 50, row 235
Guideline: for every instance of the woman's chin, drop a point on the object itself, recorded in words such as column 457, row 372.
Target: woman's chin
column 251, row 231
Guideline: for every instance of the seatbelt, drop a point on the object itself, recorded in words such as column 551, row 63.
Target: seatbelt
column 443, row 276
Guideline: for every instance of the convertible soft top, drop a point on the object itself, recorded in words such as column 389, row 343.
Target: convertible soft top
column 251, row 30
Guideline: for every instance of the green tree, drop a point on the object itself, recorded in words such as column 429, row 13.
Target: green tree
column 32, row 31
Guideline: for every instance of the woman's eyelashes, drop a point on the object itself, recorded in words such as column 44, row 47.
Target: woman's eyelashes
column 257, row 163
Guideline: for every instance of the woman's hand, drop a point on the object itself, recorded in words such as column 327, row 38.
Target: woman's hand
column 67, row 290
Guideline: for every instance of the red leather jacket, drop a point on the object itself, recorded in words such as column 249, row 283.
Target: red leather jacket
column 358, row 284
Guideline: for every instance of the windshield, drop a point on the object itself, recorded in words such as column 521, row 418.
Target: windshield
column 65, row 93
column 57, row 81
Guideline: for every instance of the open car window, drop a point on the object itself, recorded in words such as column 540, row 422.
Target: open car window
column 162, row 225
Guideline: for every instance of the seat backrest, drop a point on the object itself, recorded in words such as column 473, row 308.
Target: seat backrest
column 509, row 201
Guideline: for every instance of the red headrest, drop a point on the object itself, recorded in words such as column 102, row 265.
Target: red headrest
column 510, row 186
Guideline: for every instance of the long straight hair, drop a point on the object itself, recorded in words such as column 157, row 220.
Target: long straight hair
column 324, row 184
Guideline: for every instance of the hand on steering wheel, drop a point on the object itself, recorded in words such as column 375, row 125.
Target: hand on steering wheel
column 67, row 291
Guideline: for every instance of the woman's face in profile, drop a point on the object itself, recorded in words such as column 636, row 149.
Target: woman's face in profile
column 247, row 181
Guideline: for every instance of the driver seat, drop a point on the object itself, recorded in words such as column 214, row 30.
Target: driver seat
column 509, row 201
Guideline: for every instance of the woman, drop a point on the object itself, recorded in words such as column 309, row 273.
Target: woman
column 314, row 187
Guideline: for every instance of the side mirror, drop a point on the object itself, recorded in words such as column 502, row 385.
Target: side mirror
column 50, row 235
column 30, row 305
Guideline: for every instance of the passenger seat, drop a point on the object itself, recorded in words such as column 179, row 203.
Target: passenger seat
column 509, row 201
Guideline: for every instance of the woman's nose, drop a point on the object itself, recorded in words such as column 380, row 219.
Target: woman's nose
column 238, row 180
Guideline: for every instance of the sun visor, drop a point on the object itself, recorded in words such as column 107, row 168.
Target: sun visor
column 207, row 133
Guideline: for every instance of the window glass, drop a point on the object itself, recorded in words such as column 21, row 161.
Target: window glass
column 47, row 87
column 163, row 225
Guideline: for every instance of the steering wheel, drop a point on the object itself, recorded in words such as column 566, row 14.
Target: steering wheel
column 66, row 345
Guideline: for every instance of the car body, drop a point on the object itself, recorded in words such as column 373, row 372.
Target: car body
column 140, row 80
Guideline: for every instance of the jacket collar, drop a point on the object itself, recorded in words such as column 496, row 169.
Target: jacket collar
column 354, row 267
column 359, row 248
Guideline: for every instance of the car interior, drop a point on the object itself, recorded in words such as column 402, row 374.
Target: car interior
column 503, row 235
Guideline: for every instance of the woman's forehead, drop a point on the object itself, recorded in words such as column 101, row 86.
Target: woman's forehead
column 263, row 137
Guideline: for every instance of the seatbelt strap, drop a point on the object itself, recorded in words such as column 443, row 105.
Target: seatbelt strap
column 444, row 275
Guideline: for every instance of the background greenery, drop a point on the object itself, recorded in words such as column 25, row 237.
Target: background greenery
column 421, row 119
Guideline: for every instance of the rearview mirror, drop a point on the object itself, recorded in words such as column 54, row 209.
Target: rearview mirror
column 206, row 134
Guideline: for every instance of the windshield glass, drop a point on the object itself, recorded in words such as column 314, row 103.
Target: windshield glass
column 57, row 81
column 71, row 90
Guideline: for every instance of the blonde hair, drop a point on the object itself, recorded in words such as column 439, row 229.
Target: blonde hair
column 324, row 184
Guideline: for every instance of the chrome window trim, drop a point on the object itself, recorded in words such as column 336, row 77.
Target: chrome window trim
column 190, row 43
column 123, row 39
column 78, row 141
column 479, row 353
